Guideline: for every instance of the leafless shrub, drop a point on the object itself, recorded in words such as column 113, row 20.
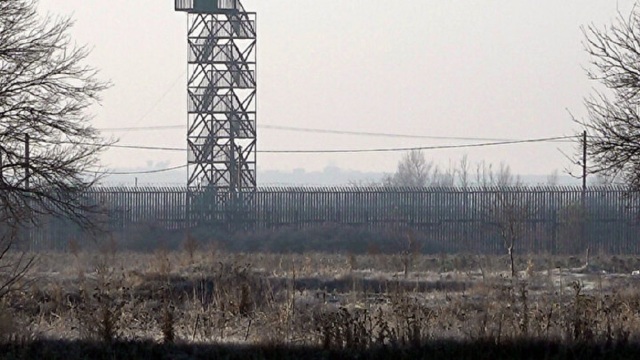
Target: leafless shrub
column 8, row 328
column 344, row 329
column 190, row 246
column 167, row 323
column 162, row 263
column 100, row 312
column 74, row 247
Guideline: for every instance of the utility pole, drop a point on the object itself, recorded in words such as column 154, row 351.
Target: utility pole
column 27, row 170
column 584, row 194
column 584, row 161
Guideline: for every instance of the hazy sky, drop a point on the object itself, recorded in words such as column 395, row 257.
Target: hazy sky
column 496, row 69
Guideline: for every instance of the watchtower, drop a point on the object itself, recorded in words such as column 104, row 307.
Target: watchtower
column 221, row 87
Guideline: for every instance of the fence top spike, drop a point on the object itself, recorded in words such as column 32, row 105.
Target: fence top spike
column 379, row 189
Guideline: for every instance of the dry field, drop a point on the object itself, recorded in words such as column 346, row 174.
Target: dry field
column 332, row 303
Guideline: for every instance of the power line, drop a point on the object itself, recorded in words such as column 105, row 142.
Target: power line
column 134, row 147
column 137, row 147
column 143, row 128
column 498, row 143
column 322, row 131
column 417, row 147
column 396, row 149
column 377, row 134
column 147, row 171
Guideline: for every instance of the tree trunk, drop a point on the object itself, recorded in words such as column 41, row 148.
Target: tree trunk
column 513, row 264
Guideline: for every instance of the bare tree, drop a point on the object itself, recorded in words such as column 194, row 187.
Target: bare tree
column 48, row 149
column 463, row 172
column 507, row 213
column 504, row 177
column 413, row 171
column 509, row 216
column 445, row 177
column 484, row 174
column 613, row 121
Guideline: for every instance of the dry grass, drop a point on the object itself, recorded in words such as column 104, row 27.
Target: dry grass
column 336, row 302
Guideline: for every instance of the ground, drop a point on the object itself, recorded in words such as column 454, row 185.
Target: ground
column 330, row 303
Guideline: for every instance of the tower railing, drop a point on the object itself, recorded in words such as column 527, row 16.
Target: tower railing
column 208, row 6
column 184, row 5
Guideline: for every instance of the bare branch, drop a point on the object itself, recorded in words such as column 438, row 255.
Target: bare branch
column 613, row 121
column 45, row 94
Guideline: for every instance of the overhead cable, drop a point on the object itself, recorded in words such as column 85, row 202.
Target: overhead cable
column 351, row 151
column 324, row 131
column 144, row 171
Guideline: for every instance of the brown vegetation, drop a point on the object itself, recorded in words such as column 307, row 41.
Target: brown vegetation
column 333, row 302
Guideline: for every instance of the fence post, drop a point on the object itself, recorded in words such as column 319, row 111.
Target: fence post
column 554, row 232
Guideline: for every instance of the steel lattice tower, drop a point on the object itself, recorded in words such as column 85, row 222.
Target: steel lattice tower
column 221, row 90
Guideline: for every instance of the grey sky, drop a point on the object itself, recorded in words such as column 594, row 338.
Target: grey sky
column 498, row 69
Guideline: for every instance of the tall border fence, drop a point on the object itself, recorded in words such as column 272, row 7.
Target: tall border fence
column 539, row 219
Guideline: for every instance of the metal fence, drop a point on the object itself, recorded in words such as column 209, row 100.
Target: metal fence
column 542, row 219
